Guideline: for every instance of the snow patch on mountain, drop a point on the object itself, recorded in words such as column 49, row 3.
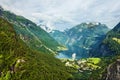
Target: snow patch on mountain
column 47, row 29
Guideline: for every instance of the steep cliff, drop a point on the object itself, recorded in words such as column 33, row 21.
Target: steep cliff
column 113, row 71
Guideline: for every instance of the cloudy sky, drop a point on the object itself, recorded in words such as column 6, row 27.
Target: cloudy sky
column 62, row 14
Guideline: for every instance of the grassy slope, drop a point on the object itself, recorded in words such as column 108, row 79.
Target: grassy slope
column 18, row 62
column 117, row 40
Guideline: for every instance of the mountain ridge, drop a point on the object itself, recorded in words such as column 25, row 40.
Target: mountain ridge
column 31, row 33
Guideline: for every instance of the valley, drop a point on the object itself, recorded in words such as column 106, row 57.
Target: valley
column 87, row 51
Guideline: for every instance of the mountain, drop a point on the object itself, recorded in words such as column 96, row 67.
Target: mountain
column 109, row 49
column 81, row 38
column 110, row 45
column 19, row 62
column 117, row 28
column 34, row 36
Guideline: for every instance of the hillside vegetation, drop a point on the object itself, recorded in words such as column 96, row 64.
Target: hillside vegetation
column 18, row 62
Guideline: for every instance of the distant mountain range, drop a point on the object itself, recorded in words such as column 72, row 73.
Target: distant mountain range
column 81, row 38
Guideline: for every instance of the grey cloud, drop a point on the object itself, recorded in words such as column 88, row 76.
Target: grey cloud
column 68, row 11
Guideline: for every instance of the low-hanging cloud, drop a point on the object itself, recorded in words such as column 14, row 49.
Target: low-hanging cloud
column 62, row 14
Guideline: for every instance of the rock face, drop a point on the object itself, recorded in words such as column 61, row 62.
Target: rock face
column 113, row 71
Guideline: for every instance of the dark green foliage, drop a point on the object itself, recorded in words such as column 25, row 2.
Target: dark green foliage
column 18, row 62
column 113, row 45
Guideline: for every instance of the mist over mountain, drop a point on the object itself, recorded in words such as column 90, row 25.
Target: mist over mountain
column 60, row 14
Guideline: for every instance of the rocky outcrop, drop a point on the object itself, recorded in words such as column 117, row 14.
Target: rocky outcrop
column 113, row 71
